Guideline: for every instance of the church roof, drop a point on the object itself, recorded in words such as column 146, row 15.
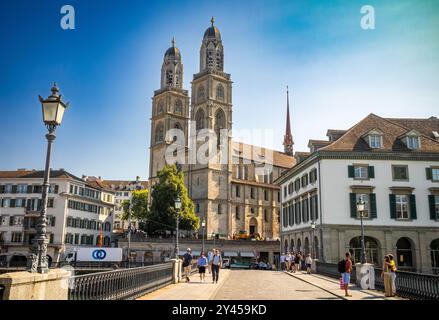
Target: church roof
column 212, row 32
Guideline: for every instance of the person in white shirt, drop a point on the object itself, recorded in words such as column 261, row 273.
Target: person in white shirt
column 308, row 262
column 282, row 261
column 217, row 262
column 288, row 261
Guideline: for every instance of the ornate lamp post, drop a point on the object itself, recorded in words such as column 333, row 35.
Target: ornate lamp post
column 360, row 209
column 313, row 228
column 203, row 225
column 53, row 111
column 177, row 208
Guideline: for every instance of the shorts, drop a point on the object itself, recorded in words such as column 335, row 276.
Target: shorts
column 308, row 265
column 202, row 269
column 346, row 277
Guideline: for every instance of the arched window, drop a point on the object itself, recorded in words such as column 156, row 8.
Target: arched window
column 404, row 255
column 220, row 123
column 220, row 92
column 299, row 245
column 265, row 215
column 159, row 133
column 292, row 245
column 371, row 246
column 200, row 92
column 219, row 208
column 237, row 213
column 316, row 248
column 160, row 108
column 178, row 78
column 306, row 248
column 169, row 77
column 434, row 252
column 286, row 246
column 178, row 106
column 176, row 126
column 199, row 119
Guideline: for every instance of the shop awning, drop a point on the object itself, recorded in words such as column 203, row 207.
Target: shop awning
column 230, row 254
column 247, row 254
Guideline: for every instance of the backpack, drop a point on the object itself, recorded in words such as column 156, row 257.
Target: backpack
column 342, row 266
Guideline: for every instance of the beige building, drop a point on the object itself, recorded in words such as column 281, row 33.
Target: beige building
column 232, row 191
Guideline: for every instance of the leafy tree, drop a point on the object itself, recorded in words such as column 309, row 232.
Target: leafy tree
column 162, row 214
column 139, row 206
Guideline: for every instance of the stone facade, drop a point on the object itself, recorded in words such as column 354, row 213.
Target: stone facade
column 228, row 190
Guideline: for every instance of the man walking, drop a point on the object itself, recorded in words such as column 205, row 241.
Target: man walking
column 187, row 262
column 346, row 275
column 217, row 262
column 209, row 259
column 282, row 261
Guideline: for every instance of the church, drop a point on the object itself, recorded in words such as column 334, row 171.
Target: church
column 233, row 191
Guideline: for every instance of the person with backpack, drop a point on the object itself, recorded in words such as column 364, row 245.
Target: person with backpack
column 187, row 262
column 345, row 268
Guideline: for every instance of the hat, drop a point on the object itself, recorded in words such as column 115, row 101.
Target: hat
column 188, row 250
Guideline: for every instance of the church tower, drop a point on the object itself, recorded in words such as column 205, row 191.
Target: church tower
column 170, row 110
column 288, row 137
column 211, row 109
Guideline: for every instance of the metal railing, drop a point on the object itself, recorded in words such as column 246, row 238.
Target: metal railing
column 411, row 285
column 120, row 284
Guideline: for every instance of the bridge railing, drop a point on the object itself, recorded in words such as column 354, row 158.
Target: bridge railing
column 120, row 284
column 411, row 285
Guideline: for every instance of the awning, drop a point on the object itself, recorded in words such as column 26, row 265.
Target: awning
column 247, row 254
column 230, row 254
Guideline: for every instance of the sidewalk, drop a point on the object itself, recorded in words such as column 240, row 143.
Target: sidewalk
column 332, row 286
column 193, row 290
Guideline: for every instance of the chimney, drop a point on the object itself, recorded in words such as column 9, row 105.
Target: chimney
column 84, row 177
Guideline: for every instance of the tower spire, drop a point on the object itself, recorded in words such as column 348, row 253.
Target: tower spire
column 173, row 41
column 212, row 20
column 288, row 137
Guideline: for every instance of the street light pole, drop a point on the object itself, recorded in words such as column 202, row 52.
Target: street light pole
column 360, row 209
column 313, row 228
column 214, row 236
column 177, row 208
column 129, row 235
column 203, row 225
column 53, row 111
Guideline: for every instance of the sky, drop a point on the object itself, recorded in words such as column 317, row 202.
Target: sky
column 109, row 66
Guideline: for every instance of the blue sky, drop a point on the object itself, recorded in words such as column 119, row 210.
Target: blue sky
column 109, row 66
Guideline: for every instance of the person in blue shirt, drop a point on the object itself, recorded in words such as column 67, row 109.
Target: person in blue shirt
column 202, row 264
column 209, row 259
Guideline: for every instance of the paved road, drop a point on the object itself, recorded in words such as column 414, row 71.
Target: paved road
column 268, row 285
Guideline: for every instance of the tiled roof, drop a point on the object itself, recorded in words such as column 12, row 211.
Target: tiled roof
column 392, row 130
column 280, row 159
column 37, row 174
column 116, row 184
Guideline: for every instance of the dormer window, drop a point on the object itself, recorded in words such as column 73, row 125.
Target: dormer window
column 375, row 141
column 412, row 142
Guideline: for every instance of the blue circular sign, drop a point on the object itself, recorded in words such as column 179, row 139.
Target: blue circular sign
column 99, row 254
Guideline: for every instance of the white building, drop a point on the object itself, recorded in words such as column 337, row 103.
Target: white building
column 77, row 212
column 393, row 165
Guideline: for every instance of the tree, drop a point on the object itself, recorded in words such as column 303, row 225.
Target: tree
column 162, row 214
column 139, row 206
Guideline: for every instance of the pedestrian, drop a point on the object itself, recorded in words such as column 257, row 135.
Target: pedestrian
column 298, row 261
column 346, row 274
column 293, row 263
column 288, row 260
column 187, row 262
column 393, row 273
column 202, row 264
column 217, row 262
column 308, row 262
column 209, row 259
column 385, row 275
column 282, row 261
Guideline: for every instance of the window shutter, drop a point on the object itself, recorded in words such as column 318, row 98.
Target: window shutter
column 432, row 206
column 351, row 172
column 316, row 207
column 11, row 220
column 413, row 207
column 14, row 188
column 12, row 204
column 2, row 189
column 56, row 188
column 373, row 205
column 353, row 200
column 53, row 221
column 429, row 173
column 392, row 201
column 29, row 188
column 371, row 172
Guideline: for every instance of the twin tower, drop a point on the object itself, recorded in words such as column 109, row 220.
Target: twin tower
column 211, row 98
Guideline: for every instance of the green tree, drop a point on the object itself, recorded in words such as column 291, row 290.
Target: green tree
column 162, row 214
column 139, row 206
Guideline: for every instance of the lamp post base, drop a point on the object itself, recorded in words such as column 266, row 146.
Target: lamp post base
column 365, row 273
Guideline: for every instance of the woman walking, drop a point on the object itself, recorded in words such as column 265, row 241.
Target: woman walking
column 393, row 274
column 386, row 277
column 202, row 264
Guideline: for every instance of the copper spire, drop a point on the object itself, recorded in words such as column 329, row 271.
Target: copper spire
column 212, row 20
column 288, row 137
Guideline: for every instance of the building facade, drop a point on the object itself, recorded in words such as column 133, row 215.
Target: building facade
column 230, row 190
column 390, row 164
column 78, row 212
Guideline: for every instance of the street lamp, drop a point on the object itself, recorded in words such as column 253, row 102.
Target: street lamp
column 53, row 111
column 129, row 234
column 203, row 225
column 313, row 228
column 360, row 209
column 177, row 208
column 213, row 236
